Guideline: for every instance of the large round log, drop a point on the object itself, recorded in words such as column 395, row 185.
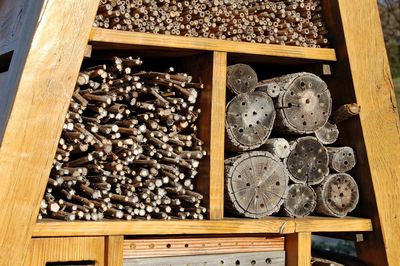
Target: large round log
column 256, row 184
column 337, row 195
column 300, row 201
column 308, row 161
column 327, row 134
column 303, row 105
column 241, row 78
column 249, row 120
column 341, row 159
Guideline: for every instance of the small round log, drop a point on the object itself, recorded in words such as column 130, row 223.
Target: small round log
column 300, row 201
column 272, row 87
column 337, row 195
column 308, row 161
column 341, row 159
column 345, row 112
column 249, row 120
column 328, row 134
column 279, row 147
column 256, row 184
column 241, row 78
column 304, row 104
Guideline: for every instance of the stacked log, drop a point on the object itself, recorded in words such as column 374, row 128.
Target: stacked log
column 128, row 148
column 286, row 22
column 316, row 173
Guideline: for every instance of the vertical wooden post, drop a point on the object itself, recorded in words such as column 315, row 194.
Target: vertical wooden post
column 380, row 125
column 298, row 249
column 114, row 250
column 36, row 119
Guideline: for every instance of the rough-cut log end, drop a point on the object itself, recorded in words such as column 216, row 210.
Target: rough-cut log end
column 328, row 134
column 256, row 184
column 308, row 161
column 249, row 120
column 337, row 195
column 241, row 78
column 304, row 105
column 300, row 201
column 341, row 159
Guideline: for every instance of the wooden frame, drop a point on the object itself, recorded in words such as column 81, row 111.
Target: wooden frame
column 47, row 76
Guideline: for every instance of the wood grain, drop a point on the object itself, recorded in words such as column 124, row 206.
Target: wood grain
column 114, row 250
column 282, row 225
column 137, row 38
column 185, row 246
column 298, row 249
column 43, row 250
column 379, row 120
column 36, row 120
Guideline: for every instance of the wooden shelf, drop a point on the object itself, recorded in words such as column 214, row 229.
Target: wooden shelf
column 277, row 225
column 180, row 42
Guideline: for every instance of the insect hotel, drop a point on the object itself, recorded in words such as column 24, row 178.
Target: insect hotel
column 194, row 132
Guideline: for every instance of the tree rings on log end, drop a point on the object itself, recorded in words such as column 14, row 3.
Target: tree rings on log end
column 327, row 134
column 305, row 104
column 308, row 161
column 249, row 120
column 341, row 159
column 337, row 195
column 241, row 78
column 300, row 201
column 256, row 184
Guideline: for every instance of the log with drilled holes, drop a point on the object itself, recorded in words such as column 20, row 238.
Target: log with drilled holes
column 337, row 195
column 328, row 134
column 249, row 120
column 341, row 159
column 256, row 184
column 303, row 104
column 300, row 201
column 241, row 78
column 279, row 147
column 308, row 161
column 129, row 147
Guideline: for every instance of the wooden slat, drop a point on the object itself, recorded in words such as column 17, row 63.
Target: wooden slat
column 184, row 246
column 380, row 126
column 227, row 226
column 114, row 250
column 298, row 249
column 276, row 258
column 42, row 250
column 159, row 40
column 36, row 120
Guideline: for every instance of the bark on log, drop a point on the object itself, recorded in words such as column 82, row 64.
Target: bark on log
column 308, row 161
column 241, row 78
column 345, row 112
column 303, row 105
column 328, row 134
column 341, row 159
column 249, row 120
column 337, row 195
column 256, row 184
column 300, row 201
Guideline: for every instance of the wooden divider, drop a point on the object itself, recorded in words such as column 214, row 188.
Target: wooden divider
column 298, row 249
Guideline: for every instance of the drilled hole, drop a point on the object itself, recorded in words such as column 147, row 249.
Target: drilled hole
column 253, row 262
column 268, row 260
column 237, row 262
column 168, row 245
column 186, row 245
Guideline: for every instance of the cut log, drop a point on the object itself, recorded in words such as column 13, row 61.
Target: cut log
column 341, row 159
column 249, row 120
column 300, row 201
column 308, row 161
column 327, row 134
column 304, row 103
column 279, row 147
column 337, row 195
column 241, row 78
column 345, row 112
column 256, row 184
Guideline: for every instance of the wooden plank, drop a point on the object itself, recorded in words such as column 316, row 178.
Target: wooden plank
column 380, row 126
column 36, row 120
column 276, row 258
column 282, row 225
column 159, row 40
column 43, row 250
column 298, row 249
column 185, row 246
column 114, row 250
